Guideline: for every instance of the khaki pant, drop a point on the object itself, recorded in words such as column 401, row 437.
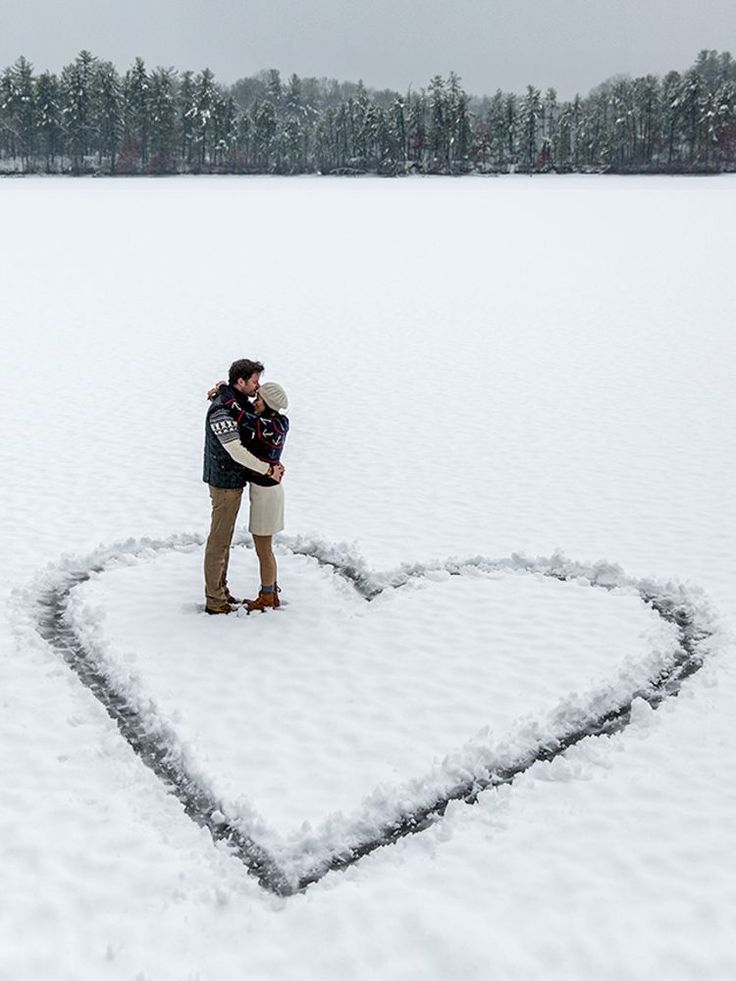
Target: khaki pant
column 225, row 507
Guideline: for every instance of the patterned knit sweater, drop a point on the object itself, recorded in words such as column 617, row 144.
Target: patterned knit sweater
column 227, row 462
column 263, row 436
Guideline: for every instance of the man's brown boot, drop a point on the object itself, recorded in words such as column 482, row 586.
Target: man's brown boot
column 214, row 612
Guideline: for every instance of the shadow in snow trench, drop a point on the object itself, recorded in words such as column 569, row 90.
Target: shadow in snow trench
column 155, row 742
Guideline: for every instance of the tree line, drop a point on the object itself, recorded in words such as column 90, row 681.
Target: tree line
column 92, row 119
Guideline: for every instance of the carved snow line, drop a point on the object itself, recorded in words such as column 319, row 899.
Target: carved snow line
column 156, row 743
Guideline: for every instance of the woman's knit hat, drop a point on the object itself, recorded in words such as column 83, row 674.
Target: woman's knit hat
column 274, row 396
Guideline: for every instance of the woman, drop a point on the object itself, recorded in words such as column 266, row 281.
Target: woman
column 263, row 428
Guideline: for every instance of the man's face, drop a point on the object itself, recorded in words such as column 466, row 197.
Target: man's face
column 250, row 385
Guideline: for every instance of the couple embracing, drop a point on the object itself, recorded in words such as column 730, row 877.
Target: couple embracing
column 244, row 438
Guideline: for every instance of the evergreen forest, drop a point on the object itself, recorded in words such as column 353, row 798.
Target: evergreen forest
column 91, row 119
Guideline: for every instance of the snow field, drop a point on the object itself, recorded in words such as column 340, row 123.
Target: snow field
column 476, row 367
column 341, row 696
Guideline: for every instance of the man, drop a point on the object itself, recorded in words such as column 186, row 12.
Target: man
column 226, row 469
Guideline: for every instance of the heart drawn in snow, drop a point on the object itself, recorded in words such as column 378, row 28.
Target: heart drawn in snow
column 307, row 737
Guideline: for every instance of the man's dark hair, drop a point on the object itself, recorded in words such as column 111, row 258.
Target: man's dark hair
column 243, row 368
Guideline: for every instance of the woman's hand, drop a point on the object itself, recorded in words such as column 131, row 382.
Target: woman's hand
column 215, row 390
column 276, row 472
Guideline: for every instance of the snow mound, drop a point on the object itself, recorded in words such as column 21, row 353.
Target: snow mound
column 307, row 737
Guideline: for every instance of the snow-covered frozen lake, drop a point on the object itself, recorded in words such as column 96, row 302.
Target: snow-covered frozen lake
column 476, row 368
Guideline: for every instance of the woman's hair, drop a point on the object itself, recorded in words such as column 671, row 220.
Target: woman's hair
column 243, row 368
column 268, row 412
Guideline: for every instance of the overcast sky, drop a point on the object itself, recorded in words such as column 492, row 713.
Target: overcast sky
column 569, row 44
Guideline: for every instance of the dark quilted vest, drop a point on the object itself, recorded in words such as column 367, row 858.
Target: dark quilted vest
column 220, row 470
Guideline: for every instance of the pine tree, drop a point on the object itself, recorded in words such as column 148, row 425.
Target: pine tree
column 647, row 100
column 495, row 118
column 345, row 135
column 596, row 129
column 7, row 136
column 692, row 101
column 549, row 156
column 723, row 124
column 399, row 130
column 530, row 115
column 438, row 125
column 205, row 95
column 459, row 132
column 186, row 111
column 511, row 129
column 291, row 146
column 576, row 128
column 136, row 116
column 619, row 134
column 360, row 125
column 162, row 126
column 417, row 137
column 264, row 134
column 108, row 110
column 295, row 138
column 48, row 118
column 708, row 68
column 77, row 113
column 274, row 90
column 224, row 135
column 325, row 141
column 671, row 114
column 21, row 111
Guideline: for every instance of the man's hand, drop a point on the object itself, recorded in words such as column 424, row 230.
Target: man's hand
column 277, row 472
column 214, row 391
